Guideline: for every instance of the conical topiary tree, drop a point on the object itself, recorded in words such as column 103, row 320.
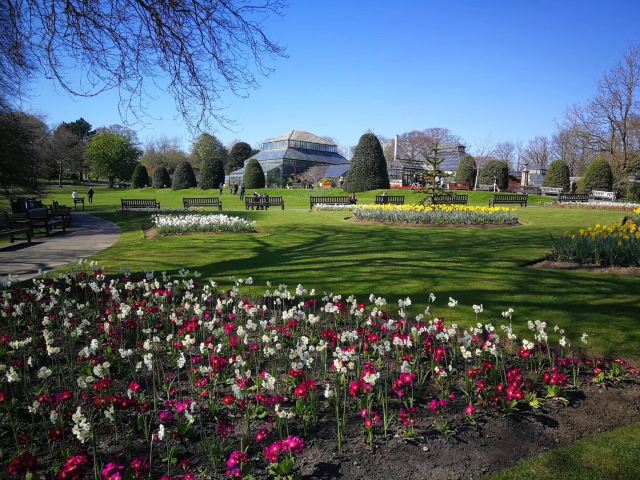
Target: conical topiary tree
column 599, row 176
column 495, row 170
column 211, row 174
column 161, row 178
column 466, row 172
column 183, row 176
column 238, row 154
column 558, row 176
column 140, row 177
column 368, row 166
column 253, row 175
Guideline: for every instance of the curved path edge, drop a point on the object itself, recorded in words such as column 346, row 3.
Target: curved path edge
column 88, row 235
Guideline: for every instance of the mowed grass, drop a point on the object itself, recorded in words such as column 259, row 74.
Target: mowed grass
column 324, row 251
column 609, row 456
column 488, row 266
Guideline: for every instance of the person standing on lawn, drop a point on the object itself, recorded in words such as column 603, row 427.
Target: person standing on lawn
column 90, row 194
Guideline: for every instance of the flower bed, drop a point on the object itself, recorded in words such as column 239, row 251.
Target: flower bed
column 437, row 214
column 166, row 376
column 329, row 207
column 613, row 245
column 595, row 205
column 194, row 223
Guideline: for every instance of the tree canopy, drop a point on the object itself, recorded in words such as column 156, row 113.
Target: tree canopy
column 183, row 177
column 253, row 175
column 207, row 146
column 211, row 174
column 112, row 156
column 238, row 154
column 196, row 50
column 368, row 166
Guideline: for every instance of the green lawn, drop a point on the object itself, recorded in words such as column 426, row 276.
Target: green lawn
column 322, row 250
column 609, row 456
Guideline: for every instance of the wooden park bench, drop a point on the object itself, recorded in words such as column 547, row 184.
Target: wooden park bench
column 603, row 195
column 573, row 198
column 334, row 200
column 202, row 202
column 263, row 202
column 550, row 191
column 128, row 204
column 449, row 199
column 41, row 218
column 10, row 228
column 78, row 201
column 485, row 187
column 505, row 198
column 389, row 199
column 459, row 186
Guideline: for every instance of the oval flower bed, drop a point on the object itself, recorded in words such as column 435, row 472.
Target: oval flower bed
column 605, row 245
column 330, row 207
column 595, row 205
column 171, row 378
column 437, row 214
column 194, row 223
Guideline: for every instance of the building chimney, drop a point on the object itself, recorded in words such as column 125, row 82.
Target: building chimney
column 461, row 150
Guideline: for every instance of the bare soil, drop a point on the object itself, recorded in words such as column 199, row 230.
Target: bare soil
column 551, row 265
column 498, row 442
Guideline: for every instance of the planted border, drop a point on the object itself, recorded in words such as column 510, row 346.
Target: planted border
column 194, row 223
column 437, row 214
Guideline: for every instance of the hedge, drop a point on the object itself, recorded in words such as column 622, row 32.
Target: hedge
column 368, row 166
column 466, row 172
column 161, row 178
column 183, row 176
column 599, row 176
column 212, row 173
column 558, row 176
column 253, row 175
column 495, row 169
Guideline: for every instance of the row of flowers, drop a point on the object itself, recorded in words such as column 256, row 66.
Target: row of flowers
column 604, row 245
column 437, row 214
column 333, row 207
column 596, row 205
column 191, row 223
column 172, row 377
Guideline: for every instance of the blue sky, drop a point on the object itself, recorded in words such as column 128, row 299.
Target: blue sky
column 504, row 70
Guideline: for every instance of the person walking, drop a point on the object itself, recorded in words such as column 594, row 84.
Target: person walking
column 242, row 189
column 221, row 188
column 90, row 193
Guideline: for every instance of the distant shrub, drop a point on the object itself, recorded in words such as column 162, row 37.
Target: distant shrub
column 599, row 176
column 211, row 174
column 466, row 172
column 253, row 175
column 558, row 176
column 161, row 178
column 368, row 167
column 495, row 170
column 183, row 177
column 140, row 177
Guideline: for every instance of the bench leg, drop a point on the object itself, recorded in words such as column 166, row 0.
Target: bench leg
column 29, row 237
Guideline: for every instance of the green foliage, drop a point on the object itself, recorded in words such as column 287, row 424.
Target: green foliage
column 368, row 166
column 183, row 177
column 140, row 177
column 211, row 174
column 207, row 147
column 238, row 154
column 23, row 139
column 495, row 169
column 253, row 175
column 558, row 176
column 599, row 176
column 112, row 155
column 161, row 178
column 466, row 172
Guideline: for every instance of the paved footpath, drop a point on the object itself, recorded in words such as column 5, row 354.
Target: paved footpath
column 88, row 235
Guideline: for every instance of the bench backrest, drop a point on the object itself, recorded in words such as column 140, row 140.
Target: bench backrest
column 448, row 198
column 510, row 197
column 573, row 197
column 39, row 213
column 485, row 186
column 334, row 200
column 201, row 201
column 5, row 222
column 603, row 194
column 264, row 200
column 553, row 190
column 392, row 199
column 138, row 202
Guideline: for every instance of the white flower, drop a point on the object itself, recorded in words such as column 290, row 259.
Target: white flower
column 12, row 375
column 328, row 393
column 452, row 303
column 44, row 372
column 432, row 298
column 508, row 314
column 584, row 338
column 181, row 360
column 81, row 428
column 478, row 309
column 564, row 342
column 160, row 433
